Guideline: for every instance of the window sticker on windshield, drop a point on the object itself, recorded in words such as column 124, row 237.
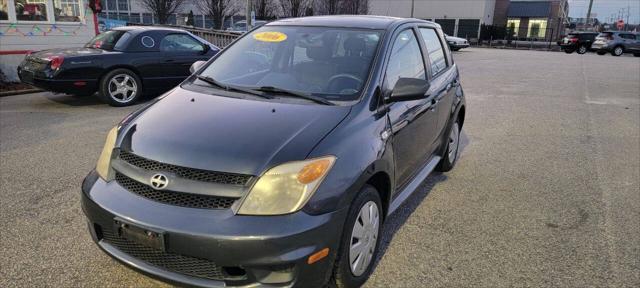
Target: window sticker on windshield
column 270, row 36
column 148, row 42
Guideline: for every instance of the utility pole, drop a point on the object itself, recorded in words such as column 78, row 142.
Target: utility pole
column 589, row 12
column 626, row 24
column 248, row 15
column 413, row 4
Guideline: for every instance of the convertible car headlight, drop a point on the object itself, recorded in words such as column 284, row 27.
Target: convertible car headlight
column 104, row 162
column 286, row 188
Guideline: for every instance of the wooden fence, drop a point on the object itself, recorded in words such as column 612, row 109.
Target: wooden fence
column 216, row 37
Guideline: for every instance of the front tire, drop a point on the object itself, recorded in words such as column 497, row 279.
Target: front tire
column 120, row 87
column 568, row 51
column 618, row 51
column 451, row 152
column 360, row 239
column 582, row 50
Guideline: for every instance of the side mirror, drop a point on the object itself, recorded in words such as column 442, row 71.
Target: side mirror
column 408, row 89
column 195, row 66
column 205, row 48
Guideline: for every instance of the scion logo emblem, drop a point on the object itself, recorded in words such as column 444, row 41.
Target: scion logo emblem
column 159, row 181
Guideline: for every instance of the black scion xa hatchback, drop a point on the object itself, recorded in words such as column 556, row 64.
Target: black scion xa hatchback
column 276, row 163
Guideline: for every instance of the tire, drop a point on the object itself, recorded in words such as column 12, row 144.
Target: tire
column 601, row 52
column 636, row 54
column 455, row 49
column 451, row 152
column 568, row 51
column 120, row 87
column 617, row 51
column 343, row 273
column 582, row 49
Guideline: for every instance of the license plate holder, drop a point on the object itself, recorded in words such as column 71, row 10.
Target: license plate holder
column 27, row 76
column 149, row 237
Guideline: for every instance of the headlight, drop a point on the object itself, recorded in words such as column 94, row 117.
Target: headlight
column 104, row 162
column 286, row 188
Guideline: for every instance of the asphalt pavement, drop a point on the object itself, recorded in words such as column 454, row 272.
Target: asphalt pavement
column 546, row 192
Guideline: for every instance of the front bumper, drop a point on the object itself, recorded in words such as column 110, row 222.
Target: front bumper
column 49, row 83
column 249, row 250
column 458, row 45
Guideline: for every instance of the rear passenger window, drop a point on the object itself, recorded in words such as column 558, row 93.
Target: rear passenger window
column 435, row 50
column 406, row 59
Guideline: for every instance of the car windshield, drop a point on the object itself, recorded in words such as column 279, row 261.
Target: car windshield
column 331, row 63
column 106, row 40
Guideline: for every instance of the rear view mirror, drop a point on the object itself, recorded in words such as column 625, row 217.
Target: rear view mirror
column 196, row 65
column 407, row 89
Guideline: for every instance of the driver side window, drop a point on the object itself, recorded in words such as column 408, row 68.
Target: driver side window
column 180, row 43
column 406, row 59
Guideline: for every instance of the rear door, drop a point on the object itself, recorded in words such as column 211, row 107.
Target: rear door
column 413, row 123
column 443, row 75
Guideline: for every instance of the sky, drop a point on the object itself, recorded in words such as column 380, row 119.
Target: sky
column 605, row 9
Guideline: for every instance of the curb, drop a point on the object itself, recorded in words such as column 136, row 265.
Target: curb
column 19, row 92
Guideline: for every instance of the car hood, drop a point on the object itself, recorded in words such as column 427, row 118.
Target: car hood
column 68, row 52
column 455, row 39
column 226, row 134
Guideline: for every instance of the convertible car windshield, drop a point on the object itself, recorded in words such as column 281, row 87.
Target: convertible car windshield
column 332, row 63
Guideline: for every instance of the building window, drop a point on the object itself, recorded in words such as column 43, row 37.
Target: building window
column 537, row 28
column 111, row 5
column 513, row 25
column 123, row 5
column 67, row 10
column 147, row 18
column 468, row 28
column 448, row 26
column 134, row 18
column 123, row 17
column 31, row 10
column 4, row 12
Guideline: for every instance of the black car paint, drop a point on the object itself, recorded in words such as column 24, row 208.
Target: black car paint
column 584, row 39
column 371, row 139
column 158, row 70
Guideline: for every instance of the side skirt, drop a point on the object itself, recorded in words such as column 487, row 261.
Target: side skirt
column 413, row 185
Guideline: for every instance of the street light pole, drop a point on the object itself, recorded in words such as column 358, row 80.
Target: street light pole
column 248, row 15
column 413, row 4
column 589, row 11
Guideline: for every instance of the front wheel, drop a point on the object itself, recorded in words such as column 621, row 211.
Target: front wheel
column 451, row 152
column 568, row 51
column 360, row 238
column 582, row 49
column 636, row 54
column 120, row 87
column 618, row 51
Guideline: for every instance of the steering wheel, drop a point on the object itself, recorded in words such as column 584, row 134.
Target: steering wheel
column 348, row 77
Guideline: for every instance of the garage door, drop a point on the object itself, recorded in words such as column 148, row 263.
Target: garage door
column 448, row 25
column 468, row 28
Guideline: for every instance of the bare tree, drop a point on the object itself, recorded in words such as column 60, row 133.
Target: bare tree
column 162, row 8
column 295, row 8
column 329, row 7
column 218, row 10
column 355, row 6
column 264, row 8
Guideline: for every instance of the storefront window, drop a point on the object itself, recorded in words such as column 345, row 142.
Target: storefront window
column 513, row 25
column 31, row 10
column 537, row 28
column 67, row 10
column 4, row 12
column 111, row 5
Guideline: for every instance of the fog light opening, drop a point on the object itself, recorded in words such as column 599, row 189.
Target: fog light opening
column 234, row 271
column 318, row 256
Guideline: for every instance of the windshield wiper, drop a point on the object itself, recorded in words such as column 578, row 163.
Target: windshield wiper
column 228, row 87
column 277, row 90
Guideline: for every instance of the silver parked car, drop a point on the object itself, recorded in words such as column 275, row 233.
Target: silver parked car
column 617, row 43
column 456, row 43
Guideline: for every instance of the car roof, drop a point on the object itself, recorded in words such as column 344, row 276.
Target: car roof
column 348, row 21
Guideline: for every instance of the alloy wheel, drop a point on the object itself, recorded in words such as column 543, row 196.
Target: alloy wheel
column 364, row 237
column 582, row 50
column 122, row 88
column 618, row 51
column 454, row 138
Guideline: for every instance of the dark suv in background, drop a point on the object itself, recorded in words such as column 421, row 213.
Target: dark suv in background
column 577, row 42
column 617, row 43
column 276, row 162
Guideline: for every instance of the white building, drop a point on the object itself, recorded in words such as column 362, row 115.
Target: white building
column 460, row 18
column 31, row 25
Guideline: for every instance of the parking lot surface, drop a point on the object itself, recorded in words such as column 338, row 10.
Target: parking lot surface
column 546, row 192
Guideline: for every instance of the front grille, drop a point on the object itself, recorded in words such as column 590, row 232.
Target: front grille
column 184, row 172
column 174, row 198
column 191, row 266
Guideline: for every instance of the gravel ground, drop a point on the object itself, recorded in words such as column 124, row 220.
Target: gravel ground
column 546, row 192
